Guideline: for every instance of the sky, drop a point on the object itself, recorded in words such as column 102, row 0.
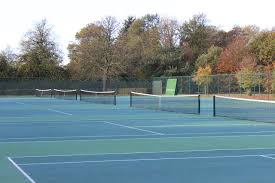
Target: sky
column 68, row 16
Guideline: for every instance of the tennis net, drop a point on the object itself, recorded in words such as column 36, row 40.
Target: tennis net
column 247, row 109
column 47, row 93
column 65, row 94
column 106, row 97
column 179, row 103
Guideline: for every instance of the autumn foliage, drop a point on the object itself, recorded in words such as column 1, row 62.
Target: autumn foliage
column 232, row 56
column 202, row 78
column 142, row 48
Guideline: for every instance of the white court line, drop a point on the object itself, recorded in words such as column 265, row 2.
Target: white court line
column 151, row 138
column 64, row 137
column 21, row 103
column 13, row 117
column 268, row 156
column 53, row 110
column 20, row 170
column 148, row 152
column 221, row 133
column 141, row 159
column 60, row 112
column 134, row 128
column 200, row 125
column 25, row 98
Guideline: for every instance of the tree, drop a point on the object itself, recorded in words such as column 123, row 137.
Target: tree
column 3, row 66
column 40, row 55
column 269, row 78
column 169, row 33
column 233, row 34
column 127, row 24
column 170, row 52
column 196, row 38
column 132, row 43
column 150, row 21
column 202, row 78
column 231, row 57
column 247, row 33
column 216, row 37
column 7, row 61
column 210, row 58
column 247, row 76
column 273, row 80
column 194, row 34
column 93, row 55
column 263, row 46
column 140, row 46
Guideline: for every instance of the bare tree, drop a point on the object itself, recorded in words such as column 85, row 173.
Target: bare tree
column 169, row 33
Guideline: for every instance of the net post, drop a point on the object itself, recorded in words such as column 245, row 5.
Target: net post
column 51, row 93
column 159, row 103
column 115, row 98
column 35, row 93
column 214, row 106
column 199, row 104
column 76, row 93
column 131, row 98
column 80, row 97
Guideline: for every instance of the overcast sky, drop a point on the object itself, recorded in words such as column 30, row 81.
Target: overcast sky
column 69, row 16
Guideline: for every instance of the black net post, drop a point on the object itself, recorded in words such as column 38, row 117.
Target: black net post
column 199, row 104
column 131, row 98
column 80, row 97
column 115, row 98
column 214, row 105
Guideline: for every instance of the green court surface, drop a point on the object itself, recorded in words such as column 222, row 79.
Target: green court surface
column 66, row 141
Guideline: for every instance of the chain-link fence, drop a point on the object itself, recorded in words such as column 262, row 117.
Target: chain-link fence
column 17, row 86
column 257, row 85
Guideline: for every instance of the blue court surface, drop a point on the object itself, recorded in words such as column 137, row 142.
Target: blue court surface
column 66, row 141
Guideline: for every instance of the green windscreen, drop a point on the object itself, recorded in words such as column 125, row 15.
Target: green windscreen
column 171, row 87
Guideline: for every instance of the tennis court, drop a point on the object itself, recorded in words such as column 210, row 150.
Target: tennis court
column 46, row 140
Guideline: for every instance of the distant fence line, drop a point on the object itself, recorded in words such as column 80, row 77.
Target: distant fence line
column 257, row 84
column 14, row 86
